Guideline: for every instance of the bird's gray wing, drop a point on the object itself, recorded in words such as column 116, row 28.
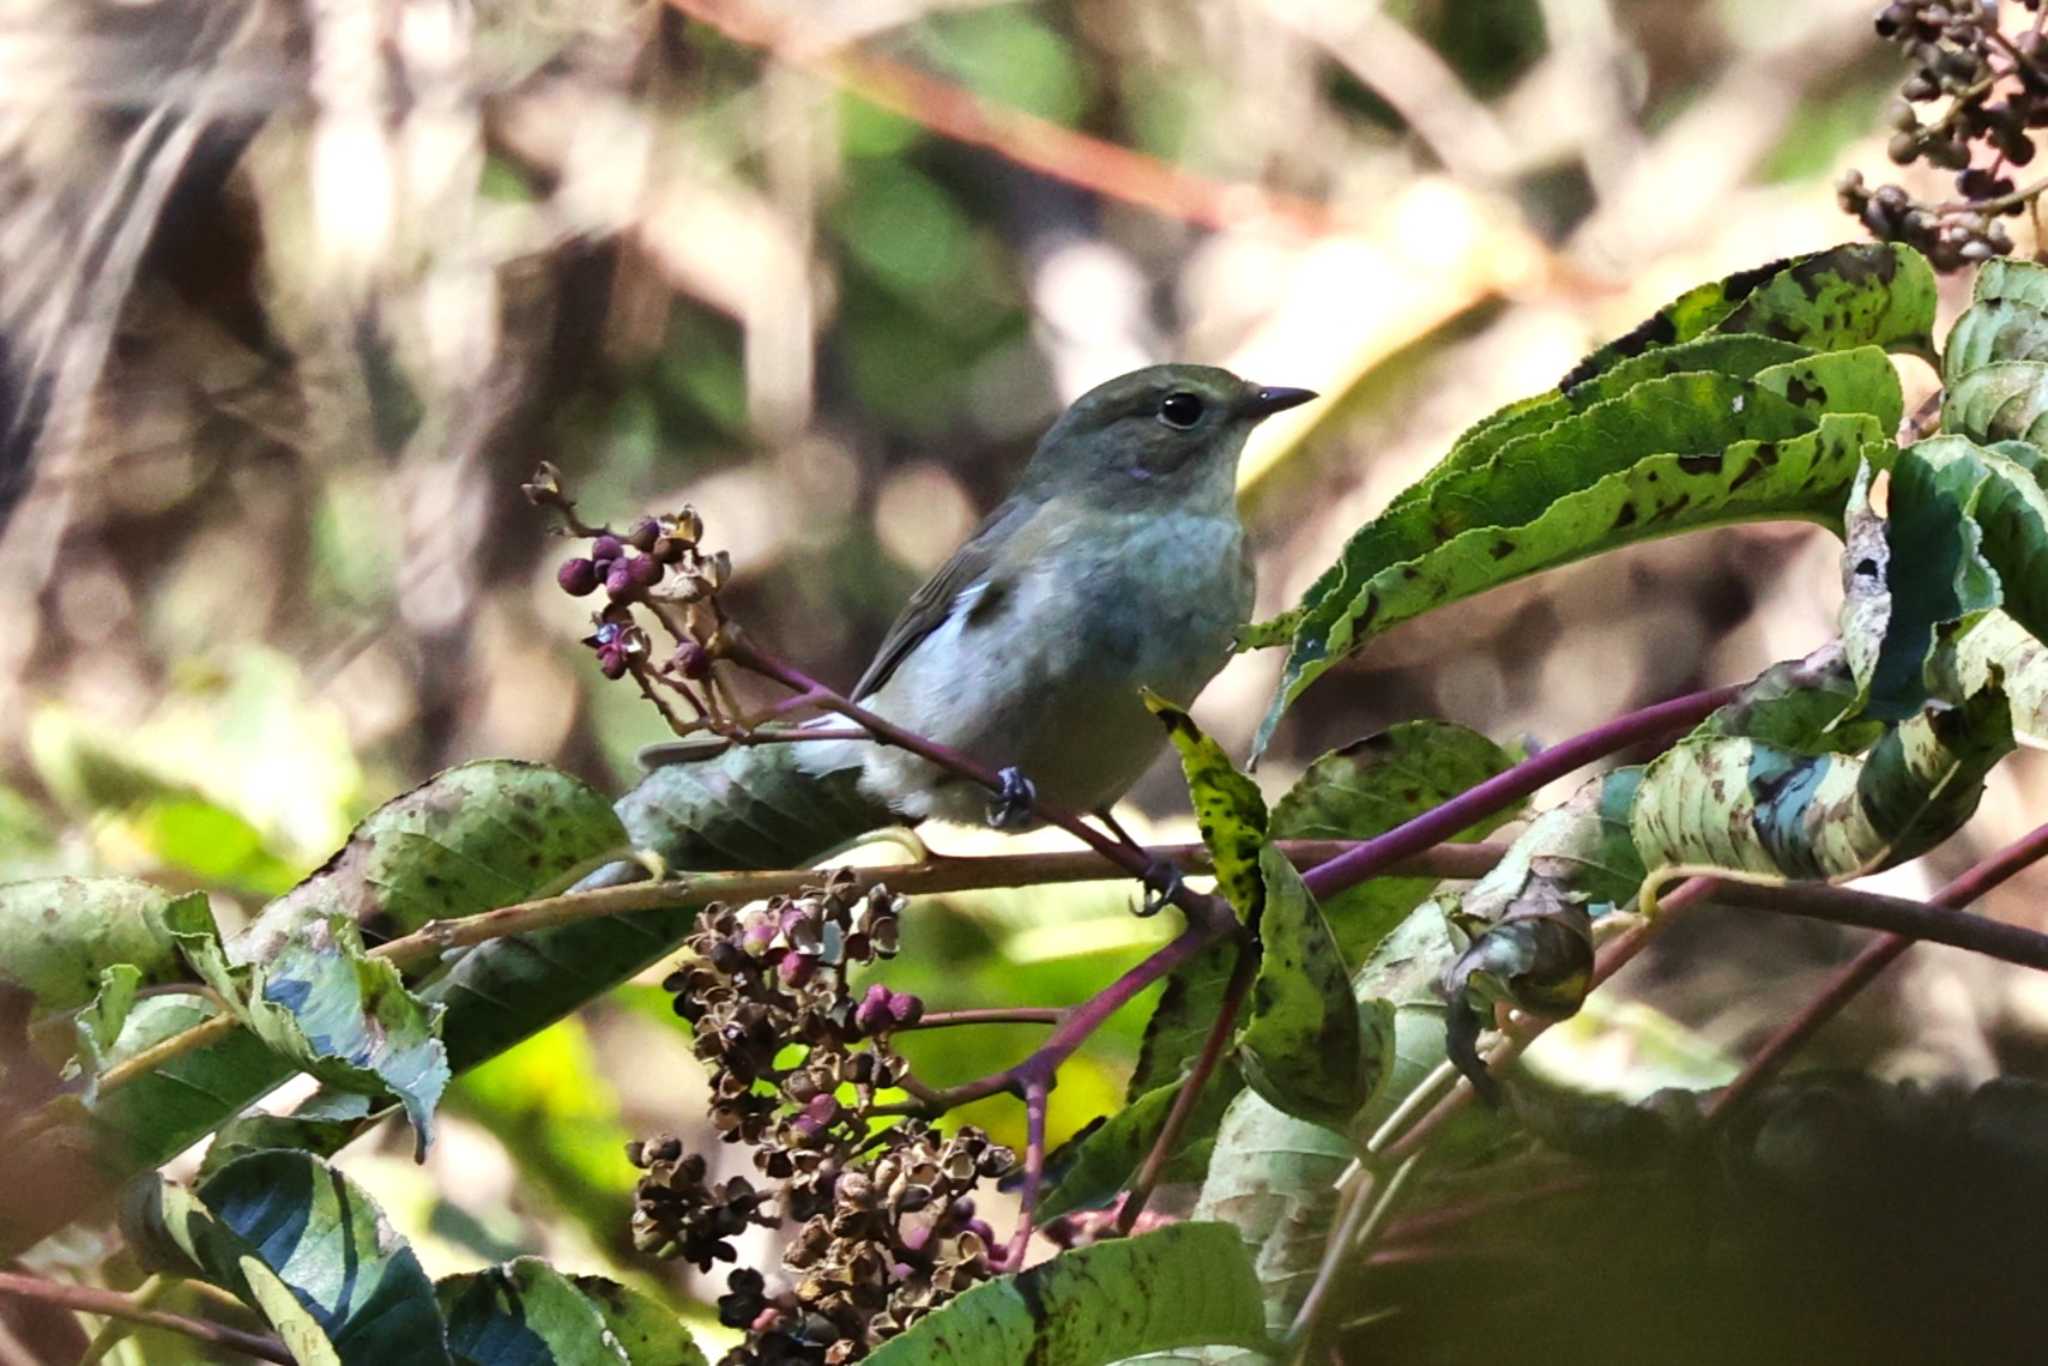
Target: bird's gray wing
column 930, row 605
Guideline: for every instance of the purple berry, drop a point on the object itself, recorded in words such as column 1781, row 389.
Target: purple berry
column 693, row 660
column 618, row 579
column 643, row 534
column 645, row 572
column 906, row 1009
column 578, row 577
column 606, row 548
column 611, row 661
column 795, row 969
column 872, row 1015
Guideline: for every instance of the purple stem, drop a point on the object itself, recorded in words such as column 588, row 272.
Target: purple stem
column 1037, row 1093
column 1440, row 823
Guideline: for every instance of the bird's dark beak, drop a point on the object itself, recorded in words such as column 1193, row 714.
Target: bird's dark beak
column 1267, row 402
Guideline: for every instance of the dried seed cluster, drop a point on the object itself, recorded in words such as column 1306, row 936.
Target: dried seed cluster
column 885, row 1226
column 1973, row 96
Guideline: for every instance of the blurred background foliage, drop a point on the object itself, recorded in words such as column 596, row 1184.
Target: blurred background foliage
column 824, row 270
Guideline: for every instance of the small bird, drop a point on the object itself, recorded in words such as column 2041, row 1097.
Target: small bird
column 1117, row 564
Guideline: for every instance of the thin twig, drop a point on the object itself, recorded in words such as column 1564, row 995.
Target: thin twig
column 1442, row 823
column 1864, row 969
column 941, row 1019
column 1039, row 144
column 935, row 876
column 1361, row 1222
column 112, row 1304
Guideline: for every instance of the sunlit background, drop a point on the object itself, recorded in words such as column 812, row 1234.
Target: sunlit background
column 824, row 271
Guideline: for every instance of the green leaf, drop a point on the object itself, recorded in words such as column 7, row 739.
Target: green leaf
column 1301, row 1045
column 1228, row 808
column 1800, row 705
column 1998, row 652
column 1936, row 576
column 320, row 1001
column 2003, row 277
column 1968, row 532
column 1853, row 295
column 1860, row 294
column 523, row 1313
column 1186, row 1285
column 1180, row 1022
column 472, row 838
column 322, row 1125
column 649, row 1334
column 1502, row 474
column 98, row 1025
column 1672, row 454
column 2001, row 329
column 303, row 1246
column 1741, row 804
column 2004, row 399
column 1372, row 785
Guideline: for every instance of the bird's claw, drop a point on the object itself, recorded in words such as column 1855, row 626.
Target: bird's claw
column 1163, row 883
column 1015, row 801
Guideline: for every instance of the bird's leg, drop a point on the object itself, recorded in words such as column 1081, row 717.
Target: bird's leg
column 1015, row 801
column 1162, row 877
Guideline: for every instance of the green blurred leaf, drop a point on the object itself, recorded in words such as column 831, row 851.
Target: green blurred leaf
column 1301, row 1046
column 1009, row 55
column 1186, row 1285
column 906, row 229
column 58, row 935
column 303, row 1246
column 1273, row 1182
column 1101, row 1159
column 548, row 1102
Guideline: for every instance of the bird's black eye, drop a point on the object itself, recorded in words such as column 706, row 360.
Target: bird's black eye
column 1180, row 409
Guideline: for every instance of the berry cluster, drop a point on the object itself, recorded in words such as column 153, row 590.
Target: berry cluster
column 1994, row 90
column 657, row 563
column 885, row 1221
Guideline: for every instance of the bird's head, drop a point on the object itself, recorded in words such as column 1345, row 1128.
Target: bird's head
column 1169, row 432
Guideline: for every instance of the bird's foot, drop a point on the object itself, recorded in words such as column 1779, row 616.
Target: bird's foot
column 1162, row 878
column 1162, row 883
column 1015, row 803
